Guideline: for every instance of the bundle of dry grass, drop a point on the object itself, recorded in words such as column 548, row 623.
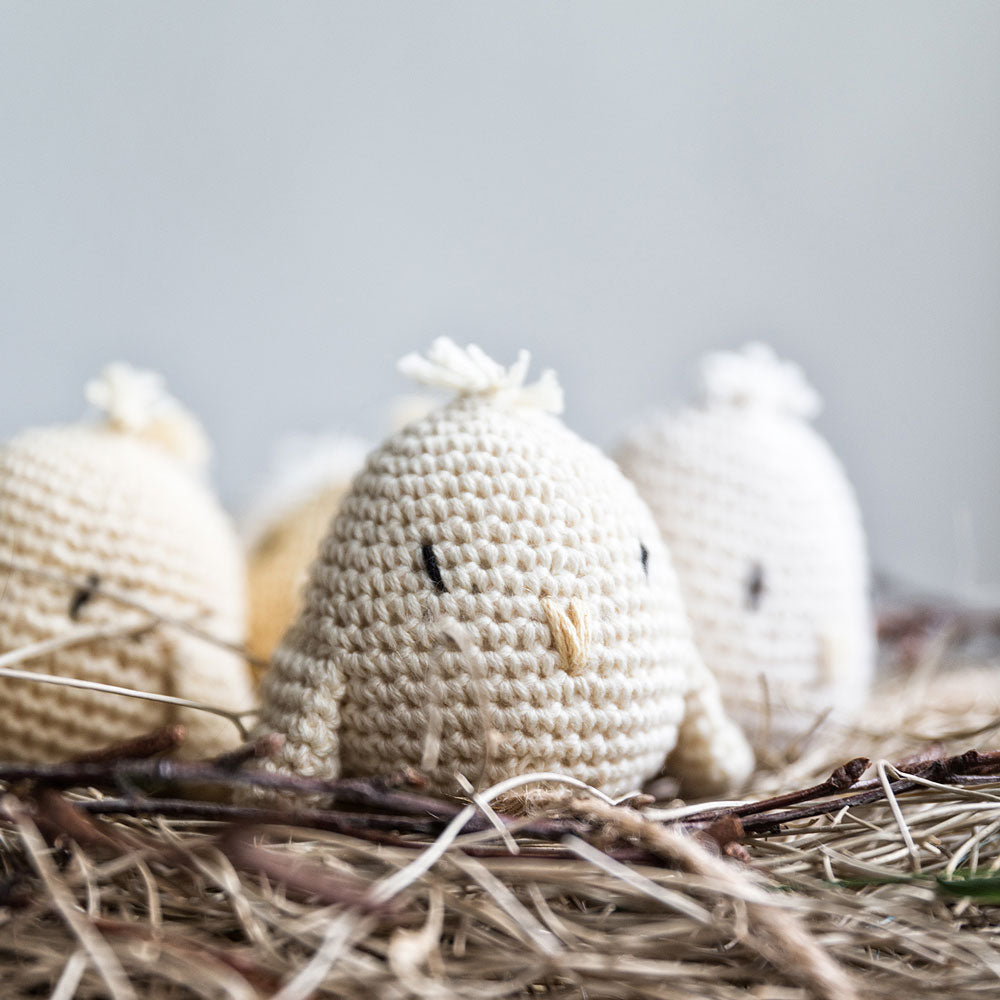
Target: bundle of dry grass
column 127, row 875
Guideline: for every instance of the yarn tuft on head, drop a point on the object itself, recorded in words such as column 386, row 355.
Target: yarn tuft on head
column 469, row 371
column 755, row 378
column 136, row 402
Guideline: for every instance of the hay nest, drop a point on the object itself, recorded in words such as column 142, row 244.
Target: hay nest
column 129, row 874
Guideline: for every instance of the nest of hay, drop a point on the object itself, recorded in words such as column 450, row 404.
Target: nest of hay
column 131, row 874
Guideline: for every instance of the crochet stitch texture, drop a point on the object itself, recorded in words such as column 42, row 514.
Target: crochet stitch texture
column 767, row 541
column 494, row 599
column 114, row 502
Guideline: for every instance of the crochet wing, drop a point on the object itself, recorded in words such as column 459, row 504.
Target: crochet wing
column 301, row 697
column 712, row 755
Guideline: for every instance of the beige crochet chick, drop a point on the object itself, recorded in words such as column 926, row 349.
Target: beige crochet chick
column 494, row 599
column 116, row 503
column 767, row 541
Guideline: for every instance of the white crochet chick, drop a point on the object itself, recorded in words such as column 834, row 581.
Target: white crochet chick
column 494, row 599
column 116, row 507
column 767, row 541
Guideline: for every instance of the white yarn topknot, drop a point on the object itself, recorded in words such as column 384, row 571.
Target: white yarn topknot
column 136, row 402
column 470, row 371
column 755, row 378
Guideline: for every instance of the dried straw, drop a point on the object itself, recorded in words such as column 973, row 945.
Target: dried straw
column 116, row 881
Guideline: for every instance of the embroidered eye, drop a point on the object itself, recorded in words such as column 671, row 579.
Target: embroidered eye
column 644, row 559
column 755, row 587
column 432, row 567
column 84, row 596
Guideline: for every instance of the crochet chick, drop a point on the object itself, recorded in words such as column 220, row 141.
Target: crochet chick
column 494, row 599
column 289, row 516
column 285, row 525
column 115, row 507
column 767, row 541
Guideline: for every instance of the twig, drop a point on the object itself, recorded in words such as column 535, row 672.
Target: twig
column 58, row 819
column 42, row 648
column 766, row 815
column 303, row 877
column 392, row 815
column 259, row 749
column 139, row 748
column 78, row 637
column 125, row 773
column 331, row 820
column 844, row 777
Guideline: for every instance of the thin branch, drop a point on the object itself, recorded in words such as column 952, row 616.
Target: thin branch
column 844, row 777
column 766, row 815
column 236, row 718
column 335, row 821
column 259, row 749
column 138, row 748
column 79, row 637
column 125, row 773
column 389, row 815
column 304, row 877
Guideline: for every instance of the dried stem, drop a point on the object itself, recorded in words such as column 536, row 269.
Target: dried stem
column 304, row 877
column 139, row 748
column 401, row 812
column 236, row 718
column 79, row 637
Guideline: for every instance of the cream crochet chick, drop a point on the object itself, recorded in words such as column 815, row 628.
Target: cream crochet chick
column 494, row 599
column 767, row 541
column 116, row 504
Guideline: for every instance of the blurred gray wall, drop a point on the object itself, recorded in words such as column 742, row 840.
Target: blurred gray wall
column 272, row 201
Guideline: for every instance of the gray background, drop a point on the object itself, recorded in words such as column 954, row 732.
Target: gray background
column 271, row 202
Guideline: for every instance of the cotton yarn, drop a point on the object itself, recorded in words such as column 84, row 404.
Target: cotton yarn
column 767, row 541
column 492, row 599
column 117, row 503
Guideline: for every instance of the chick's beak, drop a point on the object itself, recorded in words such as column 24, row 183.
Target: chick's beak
column 570, row 627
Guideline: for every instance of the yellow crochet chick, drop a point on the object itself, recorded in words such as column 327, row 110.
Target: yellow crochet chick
column 106, row 508
column 285, row 526
column 494, row 599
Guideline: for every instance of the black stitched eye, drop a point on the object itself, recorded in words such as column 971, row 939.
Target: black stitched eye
column 84, row 596
column 644, row 559
column 432, row 567
column 755, row 587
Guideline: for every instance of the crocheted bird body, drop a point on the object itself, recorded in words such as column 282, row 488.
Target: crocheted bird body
column 767, row 541
column 493, row 599
column 101, row 504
